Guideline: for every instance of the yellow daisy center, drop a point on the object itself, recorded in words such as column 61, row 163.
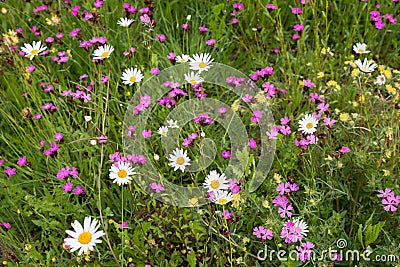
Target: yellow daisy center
column 34, row 52
column 180, row 161
column 361, row 50
column 104, row 54
column 222, row 201
column 164, row 133
column 214, row 184
column 192, row 81
column 183, row 60
column 202, row 65
column 132, row 79
column 122, row 173
column 309, row 125
column 85, row 238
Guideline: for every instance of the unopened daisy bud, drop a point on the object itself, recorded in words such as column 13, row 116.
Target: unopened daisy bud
column 88, row 118
column 156, row 157
column 93, row 142
column 188, row 17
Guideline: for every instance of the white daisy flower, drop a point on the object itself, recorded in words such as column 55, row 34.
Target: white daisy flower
column 215, row 182
column 131, row 76
column 33, row 50
column 163, row 130
column 182, row 59
column 84, row 238
column 222, row 197
column 201, row 63
column 381, row 79
column 172, row 124
column 179, row 159
column 308, row 124
column 360, row 48
column 121, row 174
column 125, row 22
column 300, row 226
column 103, row 52
column 365, row 66
column 193, row 78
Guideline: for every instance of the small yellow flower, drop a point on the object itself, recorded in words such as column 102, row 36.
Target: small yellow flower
column 391, row 90
column 280, row 245
column 320, row 74
column 3, row 10
column 28, row 247
column 130, row 259
column 4, row 262
column 53, row 21
column 245, row 240
column 128, row 94
column 355, row 104
column 355, row 72
column 277, row 177
column 193, row 201
column 120, row 123
column 344, row 117
column 301, row 83
column 387, row 73
column 235, row 105
column 340, row 164
column 110, row 221
column 266, row 204
column 53, row 259
column 386, row 173
column 18, row 211
column 389, row 133
column 361, row 98
column 388, row 154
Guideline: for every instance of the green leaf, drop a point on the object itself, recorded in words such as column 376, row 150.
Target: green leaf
column 372, row 233
column 191, row 257
column 360, row 235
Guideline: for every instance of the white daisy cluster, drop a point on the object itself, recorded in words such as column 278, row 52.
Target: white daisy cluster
column 163, row 130
column 365, row 66
column 198, row 63
column 218, row 187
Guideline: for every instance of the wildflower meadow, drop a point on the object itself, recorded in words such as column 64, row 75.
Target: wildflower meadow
column 199, row 133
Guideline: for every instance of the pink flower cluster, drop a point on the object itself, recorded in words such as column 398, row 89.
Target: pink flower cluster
column 235, row 81
column 237, row 7
column 390, row 201
column 305, row 251
column 67, row 171
column 128, row 8
column 78, row 94
column 234, row 185
column 144, row 103
column 203, row 118
column 157, row 187
column 281, row 201
column 262, row 233
column 291, row 233
column 188, row 141
column 199, row 91
column 135, row 159
column 60, row 58
column 77, row 191
column 166, row 101
column 377, row 20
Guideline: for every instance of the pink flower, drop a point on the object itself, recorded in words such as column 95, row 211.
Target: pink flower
column 104, row 79
column 226, row 154
column 6, row 225
column 298, row 27
column 58, row 137
column 285, row 120
column 271, row 7
column 146, row 133
column 344, row 150
column 10, row 172
column 234, row 21
column 262, row 233
column 67, row 187
column 123, row 225
column 222, row 110
column 160, row 37
column 297, row 10
column 226, row 214
column 210, row 42
column 388, row 192
column 252, row 143
column 22, row 161
column 157, row 187
column 79, row 190
column 30, row 68
column 185, row 26
column 155, row 71
column 286, row 210
column 102, row 139
column 328, row 122
column 203, row 29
